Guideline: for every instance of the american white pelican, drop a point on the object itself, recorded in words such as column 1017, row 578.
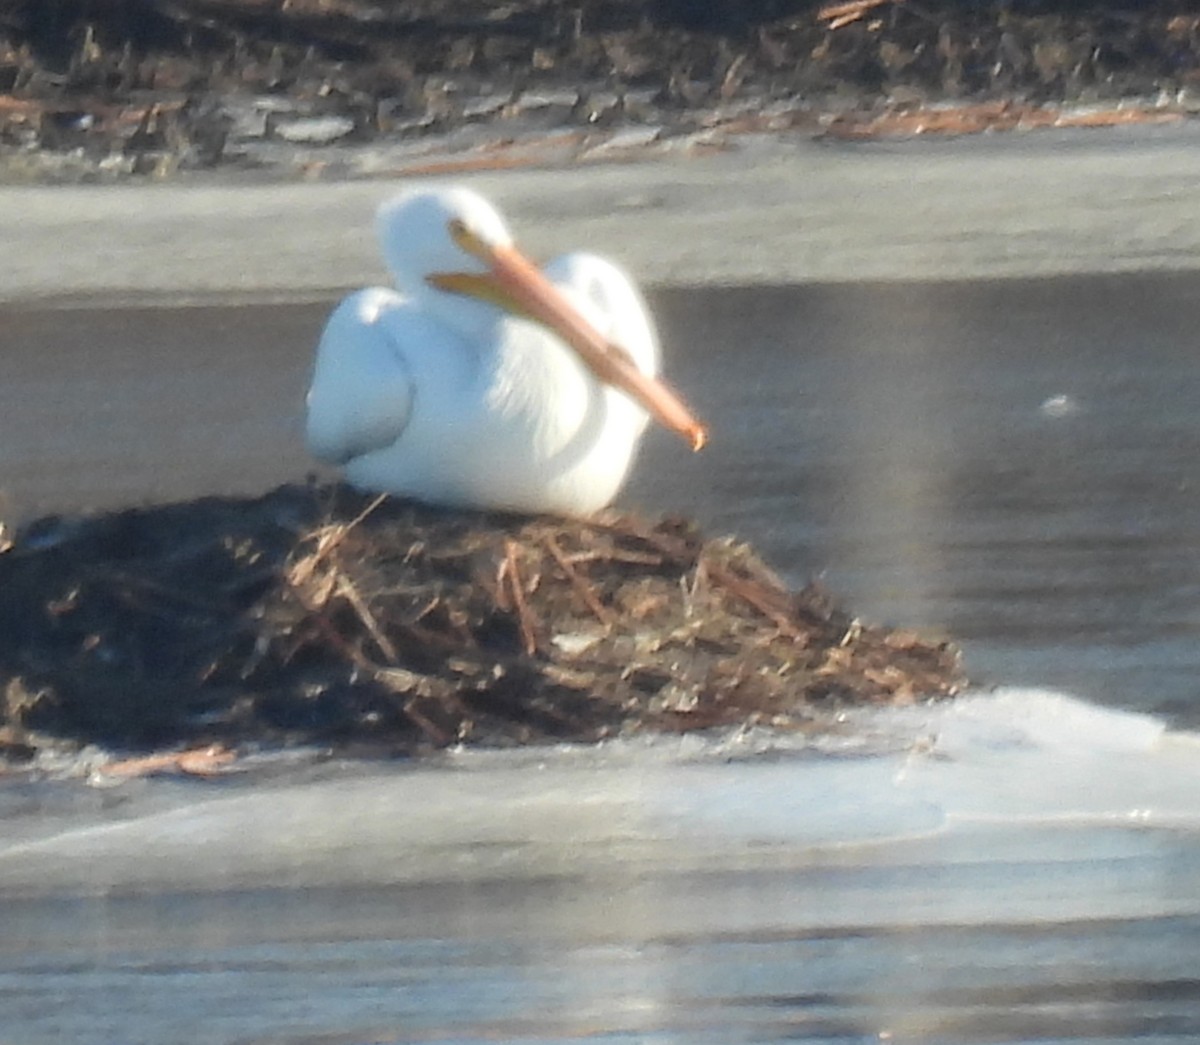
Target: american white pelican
column 481, row 381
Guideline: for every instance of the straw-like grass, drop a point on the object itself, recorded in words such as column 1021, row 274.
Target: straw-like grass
column 314, row 615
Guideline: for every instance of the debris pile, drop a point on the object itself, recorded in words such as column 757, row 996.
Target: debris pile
column 317, row 616
column 114, row 88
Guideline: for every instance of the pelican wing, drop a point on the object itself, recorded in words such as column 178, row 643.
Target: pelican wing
column 611, row 301
column 362, row 393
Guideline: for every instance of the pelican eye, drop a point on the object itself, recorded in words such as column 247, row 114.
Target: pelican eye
column 467, row 240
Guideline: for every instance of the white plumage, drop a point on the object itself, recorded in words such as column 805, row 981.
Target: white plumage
column 443, row 389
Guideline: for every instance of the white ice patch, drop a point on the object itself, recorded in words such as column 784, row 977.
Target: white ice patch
column 1025, row 755
column 1033, row 756
column 1061, row 405
column 1023, row 719
column 1017, row 757
column 1019, row 776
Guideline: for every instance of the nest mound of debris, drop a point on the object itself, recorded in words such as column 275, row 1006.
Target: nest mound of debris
column 126, row 87
column 314, row 615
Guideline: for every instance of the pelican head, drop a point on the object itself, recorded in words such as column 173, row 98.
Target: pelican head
column 452, row 248
column 416, row 240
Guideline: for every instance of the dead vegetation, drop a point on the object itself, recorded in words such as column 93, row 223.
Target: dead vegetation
column 316, row 616
column 152, row 87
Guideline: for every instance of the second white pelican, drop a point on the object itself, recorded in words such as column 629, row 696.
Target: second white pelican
column 481, row 381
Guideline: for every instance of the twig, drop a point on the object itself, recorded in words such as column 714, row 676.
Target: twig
column 733, row 77
column 205, row 761
column 838, row 15
column 673, row 548
column 525, row 618
column 427, row 609
column 438, row 735
column 385, row 674
column 699, row 580
column 582, row 588
column 359, row 605
column 336, row 639
column 616, row 555
column 330, row 537
column 751, row 593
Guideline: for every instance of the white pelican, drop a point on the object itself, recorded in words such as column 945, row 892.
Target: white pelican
column 480, row 381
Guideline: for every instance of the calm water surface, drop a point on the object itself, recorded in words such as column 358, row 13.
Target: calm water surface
column 1014, row 464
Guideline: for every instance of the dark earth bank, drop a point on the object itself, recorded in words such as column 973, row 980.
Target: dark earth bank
column 116, row 88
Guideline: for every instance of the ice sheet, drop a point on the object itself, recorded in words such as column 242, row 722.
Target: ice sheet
column 993, row 779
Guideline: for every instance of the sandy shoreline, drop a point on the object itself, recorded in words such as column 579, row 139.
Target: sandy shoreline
column 770, row 211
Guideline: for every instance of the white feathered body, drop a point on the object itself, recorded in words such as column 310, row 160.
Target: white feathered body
column 500, row 414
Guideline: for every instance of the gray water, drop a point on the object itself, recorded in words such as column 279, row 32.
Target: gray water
column 1013, row 464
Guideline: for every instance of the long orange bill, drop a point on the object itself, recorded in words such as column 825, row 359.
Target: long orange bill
column 523, row 283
